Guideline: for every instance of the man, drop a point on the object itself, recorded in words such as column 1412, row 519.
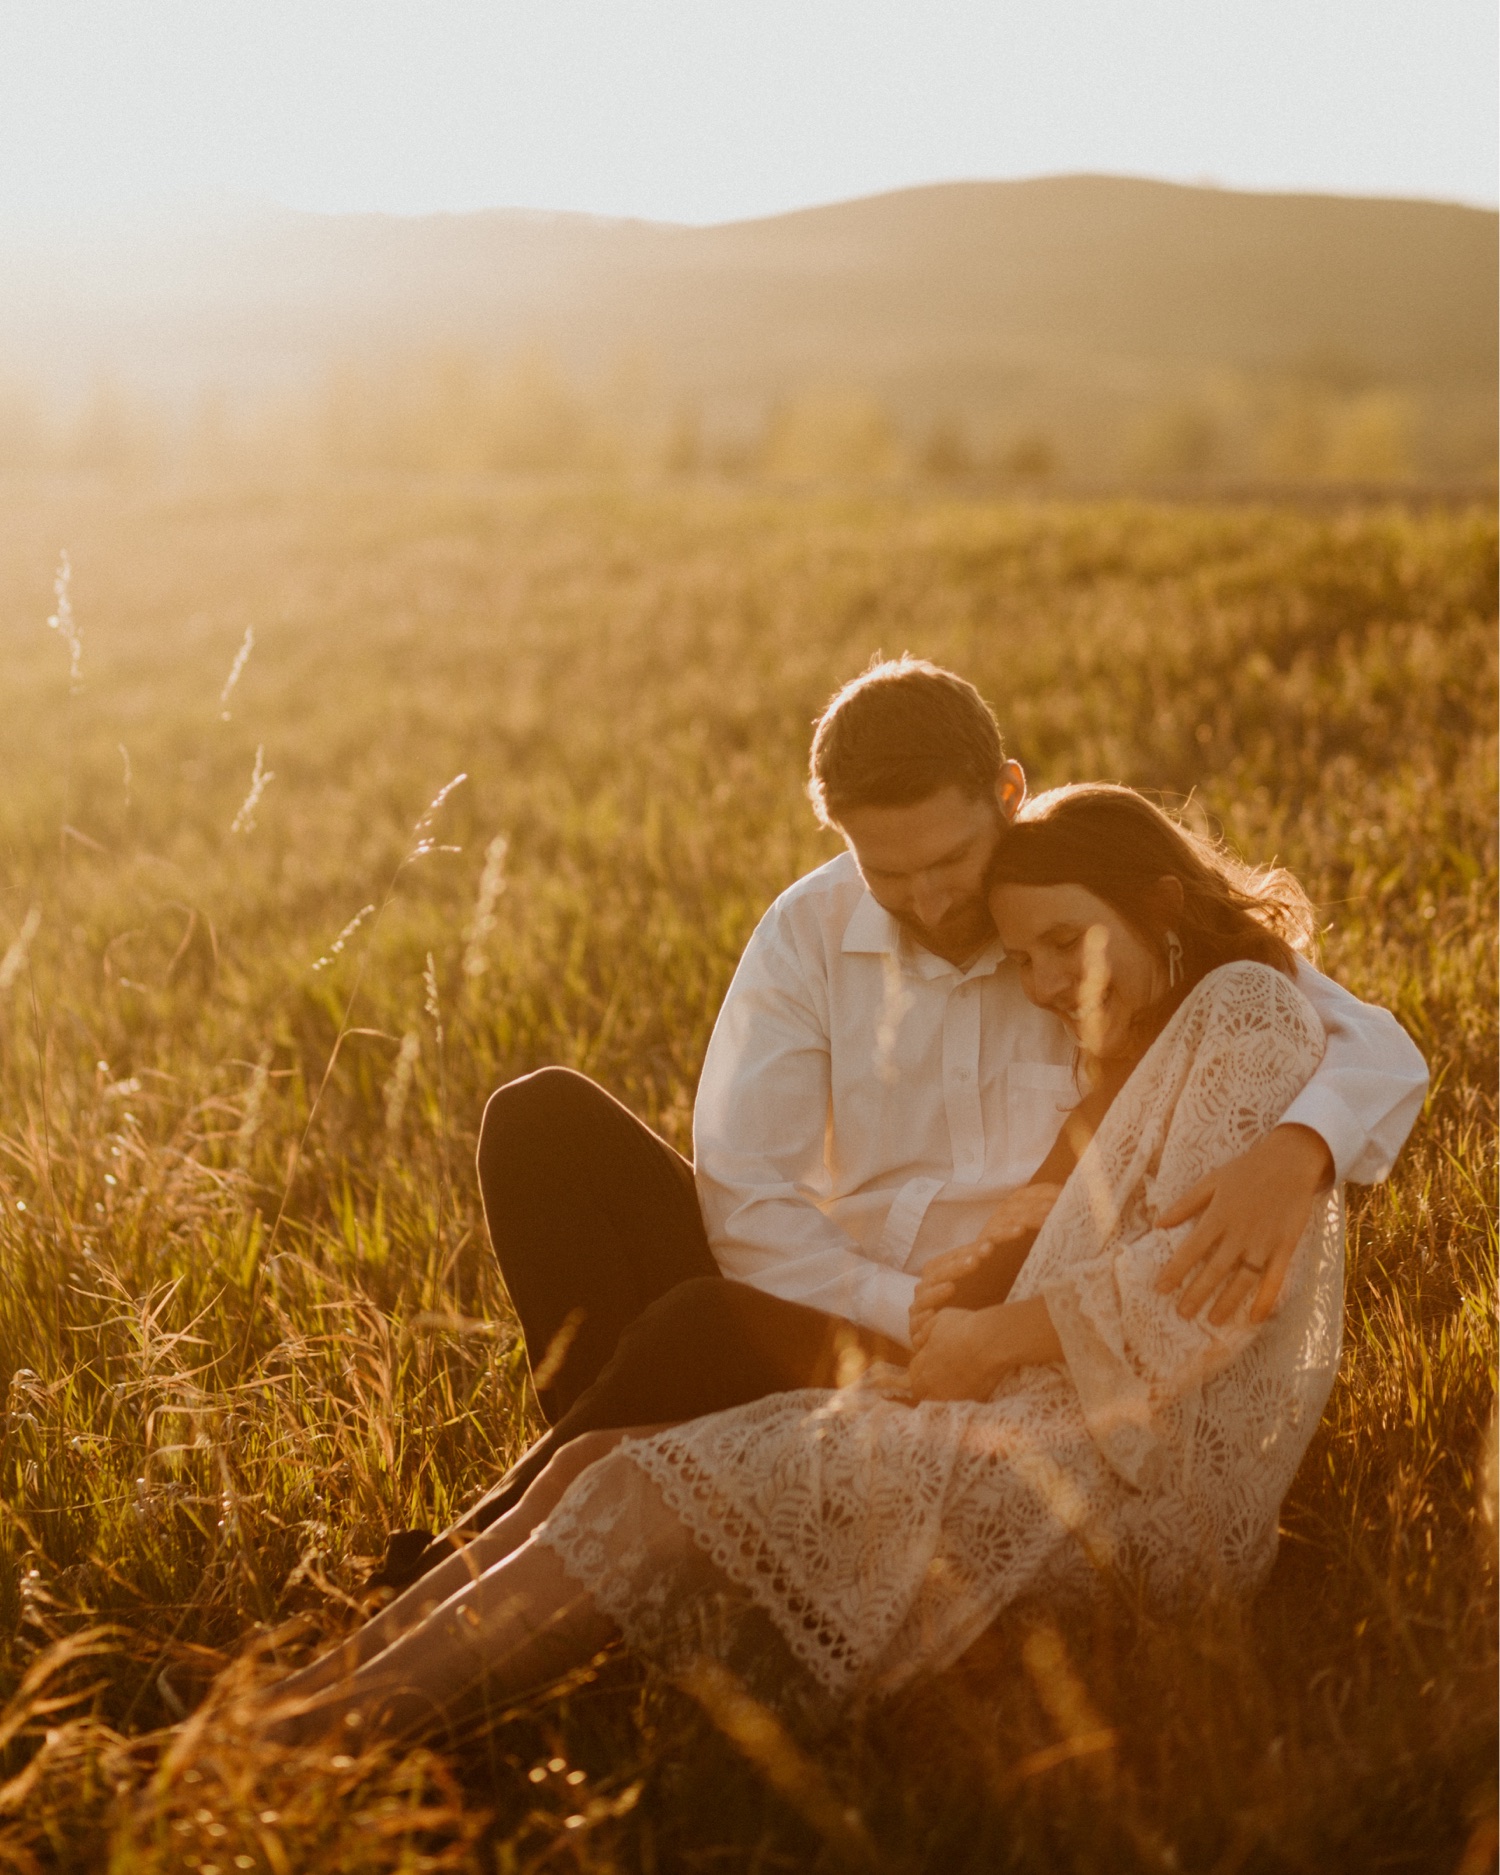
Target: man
column 875, row 1082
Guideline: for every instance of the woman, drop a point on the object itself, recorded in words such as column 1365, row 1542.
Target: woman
column 827, row 1546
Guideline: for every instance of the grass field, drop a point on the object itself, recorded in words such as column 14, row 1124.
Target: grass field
column 248, row 1318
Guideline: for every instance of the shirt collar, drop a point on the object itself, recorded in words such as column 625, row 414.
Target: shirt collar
column 872, row 930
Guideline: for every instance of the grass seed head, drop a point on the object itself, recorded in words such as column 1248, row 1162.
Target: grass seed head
column 19, row 949
column 482, row 927
column 399, row 1085
column 62, row 620
column 241, row 659
column 260, row 779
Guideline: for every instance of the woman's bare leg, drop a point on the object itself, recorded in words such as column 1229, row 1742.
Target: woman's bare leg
column 458, row 1572
column 521, row 1624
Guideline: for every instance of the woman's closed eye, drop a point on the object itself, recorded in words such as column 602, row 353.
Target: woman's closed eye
column 1060, row 943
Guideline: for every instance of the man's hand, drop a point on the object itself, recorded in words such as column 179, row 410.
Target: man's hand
column 936, row 1284
column 1251, row 1215
column 1018, row 1213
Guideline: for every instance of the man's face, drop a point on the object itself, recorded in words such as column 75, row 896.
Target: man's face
column 926, row 863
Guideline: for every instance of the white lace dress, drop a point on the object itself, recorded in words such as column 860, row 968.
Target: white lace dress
column 827, row 1546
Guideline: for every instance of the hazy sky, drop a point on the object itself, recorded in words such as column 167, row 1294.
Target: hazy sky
column 704, row 110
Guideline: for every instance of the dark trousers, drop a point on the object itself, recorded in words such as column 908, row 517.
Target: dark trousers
column 627, row 1320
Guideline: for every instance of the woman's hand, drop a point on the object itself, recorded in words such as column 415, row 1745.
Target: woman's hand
column 957, row 1359
column 1018, row 1213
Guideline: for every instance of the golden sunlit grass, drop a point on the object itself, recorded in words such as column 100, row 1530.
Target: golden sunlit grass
column 254, row 988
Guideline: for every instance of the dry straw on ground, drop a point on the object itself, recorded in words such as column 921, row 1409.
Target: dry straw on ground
column 248, row 1319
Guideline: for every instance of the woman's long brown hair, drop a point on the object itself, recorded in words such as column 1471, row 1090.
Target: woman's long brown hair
column 1117, row 845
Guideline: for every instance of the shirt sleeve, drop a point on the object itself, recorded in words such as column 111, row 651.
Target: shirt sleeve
column 759, row 1127
column 1366, row 1094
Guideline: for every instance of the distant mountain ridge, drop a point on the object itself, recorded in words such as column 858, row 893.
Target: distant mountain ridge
column 1087, row 307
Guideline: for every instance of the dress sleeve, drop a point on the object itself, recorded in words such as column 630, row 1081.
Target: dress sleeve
column 1219, row 1077
column 1132, row 1358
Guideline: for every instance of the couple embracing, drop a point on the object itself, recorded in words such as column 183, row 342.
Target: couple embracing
column 1010, row 1260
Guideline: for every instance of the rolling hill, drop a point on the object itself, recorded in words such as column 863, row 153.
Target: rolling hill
column 1111, row 317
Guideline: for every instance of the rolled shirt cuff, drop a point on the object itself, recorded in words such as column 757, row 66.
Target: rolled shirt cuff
column 885, row 1301
column 1323, row 1113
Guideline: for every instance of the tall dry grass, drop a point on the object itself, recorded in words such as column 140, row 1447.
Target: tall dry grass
column 248, row 1319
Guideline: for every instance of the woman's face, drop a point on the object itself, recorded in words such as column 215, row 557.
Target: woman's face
column 1080, row 959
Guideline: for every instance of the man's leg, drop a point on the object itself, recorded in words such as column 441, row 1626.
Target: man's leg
column 627, row 1321
column 707, row 1345
column 592, row 1218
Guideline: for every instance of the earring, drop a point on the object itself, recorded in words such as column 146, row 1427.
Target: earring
column 1174, row 960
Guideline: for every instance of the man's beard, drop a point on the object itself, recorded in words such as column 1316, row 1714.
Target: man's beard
column 967, row 927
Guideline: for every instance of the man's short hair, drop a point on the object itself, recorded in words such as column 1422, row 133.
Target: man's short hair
column 900, row 732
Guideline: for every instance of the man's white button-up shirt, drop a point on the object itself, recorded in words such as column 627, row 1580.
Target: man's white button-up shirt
column 864, row 1103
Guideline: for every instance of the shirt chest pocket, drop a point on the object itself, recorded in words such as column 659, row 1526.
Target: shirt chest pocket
column 1037, row 1096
